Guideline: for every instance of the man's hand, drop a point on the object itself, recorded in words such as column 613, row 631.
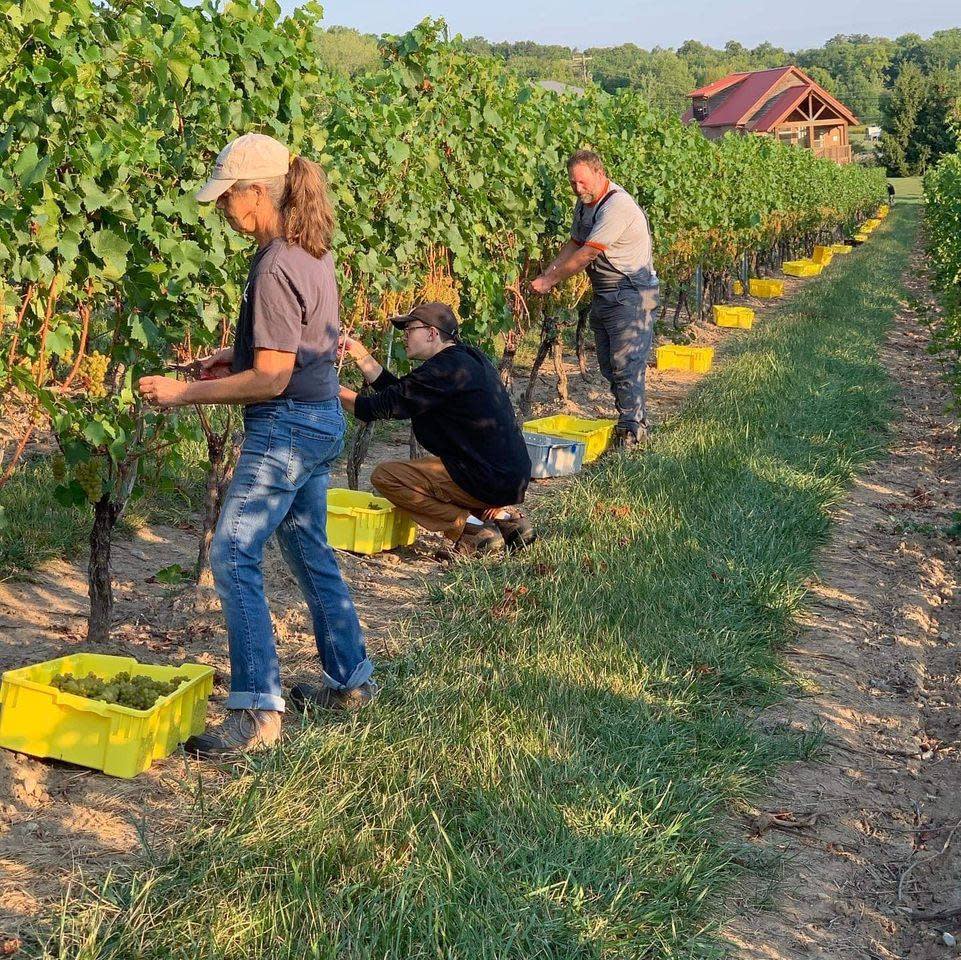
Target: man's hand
column 353, row 348
column 369, row 367
column 347, row 398
column 162, row 391
column 541, row 284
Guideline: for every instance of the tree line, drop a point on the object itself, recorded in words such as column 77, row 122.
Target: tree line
column 910, row 85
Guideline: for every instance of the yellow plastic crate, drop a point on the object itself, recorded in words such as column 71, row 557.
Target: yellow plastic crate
column 365, row 523
column 742, row 317
column 672, row 356
column 841, row 248
column 801, row 268
column 738, row 288
column 595, row 434
column 822, row 255
column 860, row 238
column 43, row 721
column 766, row 289
column 883, row 211
column 871, row 225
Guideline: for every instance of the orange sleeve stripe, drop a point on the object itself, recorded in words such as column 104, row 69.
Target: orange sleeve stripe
column 596, row 246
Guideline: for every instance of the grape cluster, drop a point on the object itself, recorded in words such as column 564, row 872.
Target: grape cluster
column 39, row 370
column 93, row 370
column 59, row 468
column 138, row 692
column 89, row 474
column 440, row 287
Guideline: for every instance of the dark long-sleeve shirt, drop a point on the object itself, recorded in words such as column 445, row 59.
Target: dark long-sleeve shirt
column 461, row 413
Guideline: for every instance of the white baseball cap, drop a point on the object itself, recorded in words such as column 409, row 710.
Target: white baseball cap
column 254, row 156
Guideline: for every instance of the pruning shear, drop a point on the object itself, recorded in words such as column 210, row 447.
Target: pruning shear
column 193, row 369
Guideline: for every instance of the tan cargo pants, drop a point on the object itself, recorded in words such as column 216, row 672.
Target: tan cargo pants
column 425, row 490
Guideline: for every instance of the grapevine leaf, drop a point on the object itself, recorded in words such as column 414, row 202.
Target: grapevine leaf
column 112, row 249
column 94, row 432
column 32, row 11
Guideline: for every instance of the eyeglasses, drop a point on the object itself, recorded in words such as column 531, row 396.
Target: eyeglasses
column 420, row 326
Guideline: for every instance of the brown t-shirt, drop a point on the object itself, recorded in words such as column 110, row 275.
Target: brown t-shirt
column 290, row 303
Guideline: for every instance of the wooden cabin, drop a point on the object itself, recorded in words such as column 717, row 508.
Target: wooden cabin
column 784, row 103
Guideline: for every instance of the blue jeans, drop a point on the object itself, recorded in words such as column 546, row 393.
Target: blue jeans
column 280, row 484
column 623, row 323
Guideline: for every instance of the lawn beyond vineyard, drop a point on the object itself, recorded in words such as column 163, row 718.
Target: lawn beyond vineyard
column 549, row 771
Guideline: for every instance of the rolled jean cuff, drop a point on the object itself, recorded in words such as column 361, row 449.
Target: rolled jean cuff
column 244, row 700
column 362, row 673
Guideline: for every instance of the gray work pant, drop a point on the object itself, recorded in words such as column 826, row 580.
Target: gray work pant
column 623, row 323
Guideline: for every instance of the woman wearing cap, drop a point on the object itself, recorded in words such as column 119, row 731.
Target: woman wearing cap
column 460, row 412
column 281, row 369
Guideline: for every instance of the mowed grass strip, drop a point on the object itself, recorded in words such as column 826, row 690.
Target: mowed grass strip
column 548, row 771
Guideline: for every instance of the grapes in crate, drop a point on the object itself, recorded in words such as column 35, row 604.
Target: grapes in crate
column 124, row 690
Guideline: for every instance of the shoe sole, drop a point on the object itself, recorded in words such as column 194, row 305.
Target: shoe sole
column 198, row 752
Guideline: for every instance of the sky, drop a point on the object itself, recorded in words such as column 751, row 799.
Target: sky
column 667, row 23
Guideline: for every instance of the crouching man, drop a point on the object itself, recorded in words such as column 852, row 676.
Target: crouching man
column 461, row 413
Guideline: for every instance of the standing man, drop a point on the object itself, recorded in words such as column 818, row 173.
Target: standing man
column 611, row 240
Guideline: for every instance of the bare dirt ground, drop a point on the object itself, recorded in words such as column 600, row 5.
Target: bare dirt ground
column 868, row 839
column 59, row 822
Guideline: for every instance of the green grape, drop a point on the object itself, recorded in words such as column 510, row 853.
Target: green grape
column 93, row 370
column 89, row 475
column 137, row 692
column 58, row 468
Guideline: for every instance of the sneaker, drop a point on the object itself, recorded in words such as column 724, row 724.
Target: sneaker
column 479, row 539
column 242, row 732
column 320, row 697
column 516, row 529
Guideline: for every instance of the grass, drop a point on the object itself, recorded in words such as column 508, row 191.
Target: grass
column 37, row 528
column 548, row 772
column 907, row 188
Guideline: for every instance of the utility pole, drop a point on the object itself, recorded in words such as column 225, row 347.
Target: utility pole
column 581, row 60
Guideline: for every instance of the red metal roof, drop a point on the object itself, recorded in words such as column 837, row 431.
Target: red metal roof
column 718, row 85
column 775, row 108
column 744, row 99
column 750, row 94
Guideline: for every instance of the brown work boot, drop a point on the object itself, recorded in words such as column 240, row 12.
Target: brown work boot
column 478, row 540
column 324, row 698
column 242, row 732
column 628, row 440
column 516, row 529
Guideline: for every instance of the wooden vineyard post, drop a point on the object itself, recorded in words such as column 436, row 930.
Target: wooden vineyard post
column 549, row 335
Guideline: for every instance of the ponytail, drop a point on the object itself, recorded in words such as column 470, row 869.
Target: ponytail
column 306, row 208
